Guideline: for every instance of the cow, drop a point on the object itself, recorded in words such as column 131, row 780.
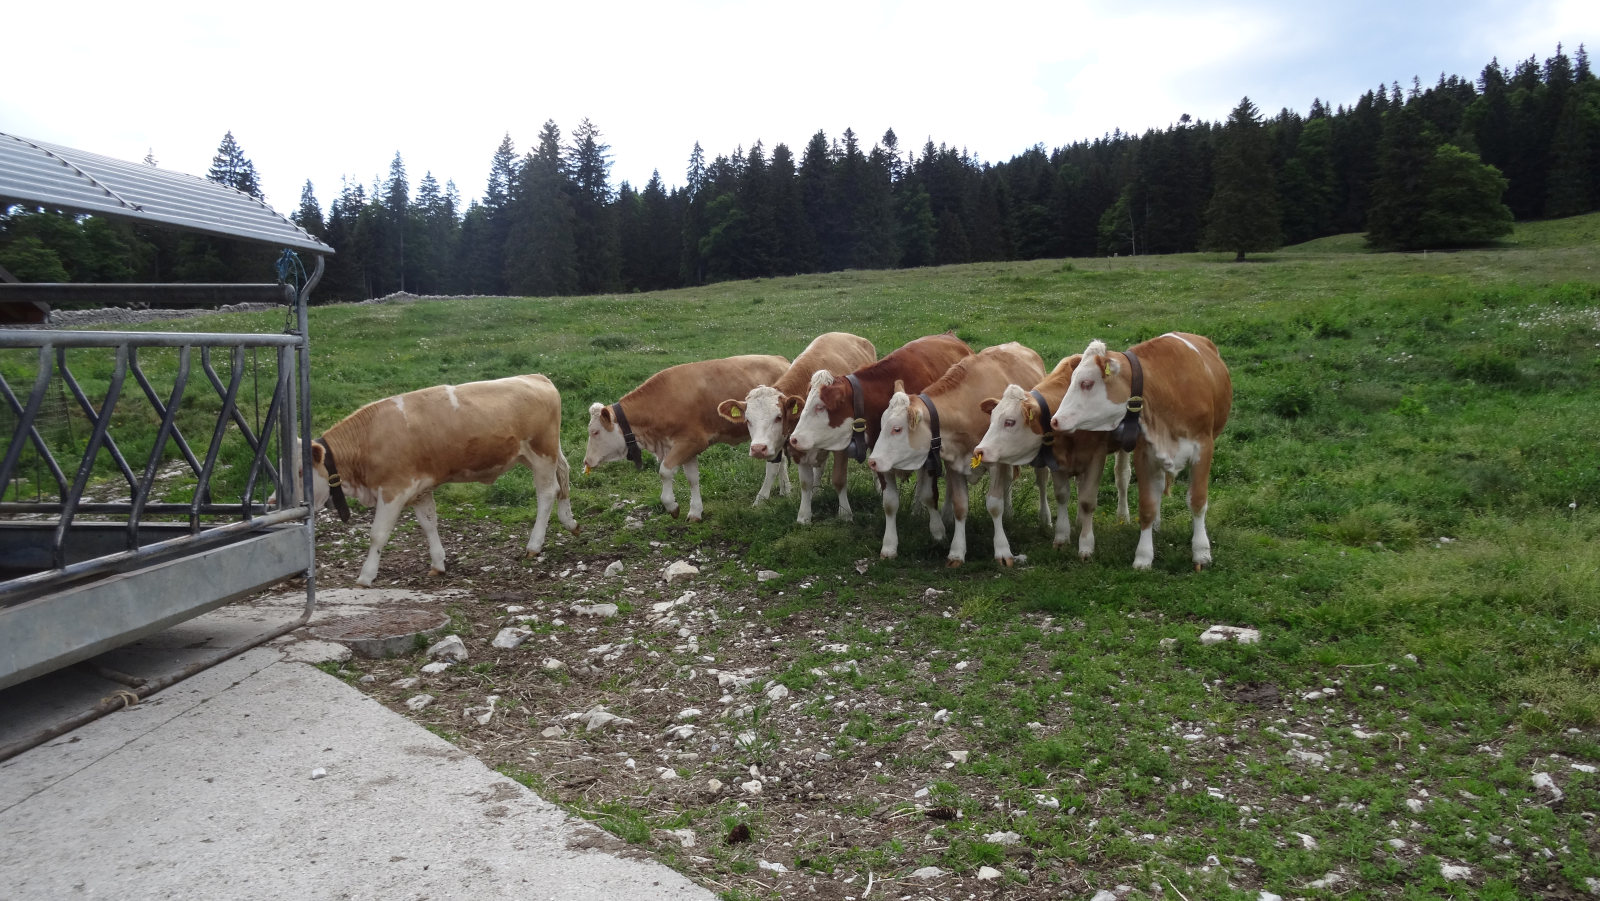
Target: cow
column 673, row 415
column 1167, row 399
column 939, row 428
column 393, row 452
column 840, row 413
column 1019, row 426
column 771, row 419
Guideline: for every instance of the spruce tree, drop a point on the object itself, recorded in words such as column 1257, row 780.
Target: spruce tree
column 232, row 168
column 1400, row 194
column 309, row 216
column 1243, row 215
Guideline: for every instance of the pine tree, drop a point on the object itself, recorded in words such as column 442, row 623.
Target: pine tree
column 1400, row 194
column 1243, row 215
column 232, row 168
column 309, row 216
column 541, row 255
column 1462, row 201
column 594, row 226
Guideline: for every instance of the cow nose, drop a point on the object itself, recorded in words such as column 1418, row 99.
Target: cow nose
column 1054, row 424
column 758, row 450
column 977, row 457
column 794, row 442
column 872, row 463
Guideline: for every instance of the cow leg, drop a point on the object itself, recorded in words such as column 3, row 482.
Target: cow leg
column 808, row 487
column 384, row 518
column 957, row 492
column 783, row 476
column 1199, row 485
column 1063, row 488
column 428, row 518
column 1123, row 470
column 994, row 501
column 1152, row 482
column 922, row 488
column 772, row 473
column 1041, row 481
column 1088, row 500
column 891, row 509
column 669, row 500
column 691, row 471
column 841, row 475
column 548, row 484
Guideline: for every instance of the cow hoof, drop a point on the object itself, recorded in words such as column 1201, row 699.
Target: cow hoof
column 576, row 528
column 1199, row 567
column 953, row 563
column 693, row 517
column 1008, row 562
column 1084, row 556
column 529, row 555
column 1058, row 545
column 887, row 555
column 674, row 512
column 361, row 584
column 435, row 572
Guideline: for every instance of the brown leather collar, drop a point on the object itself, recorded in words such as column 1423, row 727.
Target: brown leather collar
column 1126, row 434
column 858, row 425
column 1047, row 455
column 627, row 436
column 335, row 482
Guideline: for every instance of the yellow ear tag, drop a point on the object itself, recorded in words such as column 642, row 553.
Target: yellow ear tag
column 735, row 414
column 1108, row 370
column 794, row 409
column 1027, row 415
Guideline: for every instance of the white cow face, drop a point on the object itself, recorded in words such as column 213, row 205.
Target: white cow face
column 904, row 441
column 1097, row 399
column 768, row 415
column 605, row 439
column 1016, row 429
column 825, row 417
column 319, row 475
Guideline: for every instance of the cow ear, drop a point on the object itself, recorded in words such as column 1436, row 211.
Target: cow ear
column 899, row 386
column 731, row 411
column 792, row 405
column 988, row 405
column 913, row 416
column 1072, row 362
column 605, row 418
column 1029, row 412
column 317, row 451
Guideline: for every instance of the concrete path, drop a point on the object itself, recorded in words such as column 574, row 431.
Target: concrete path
column 205, row 790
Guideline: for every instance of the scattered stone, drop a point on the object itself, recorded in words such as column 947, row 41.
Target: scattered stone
column 1543, row 782
column 685, row 837
column 511, row 638
column 406, row 684
column 1104, row 895
column 959, row 756
column 669, row 774
column 1399, row 844
column 1580, row 767
column 753, row 787
column 767, row 575
column 369, row 678
column 598, row 718
column 1329, row 880
column 450, row 646
column 777, row 693
column 1219, row 634
column 987, row 873
column 927, row 873
column 1592, row 884
column 745, row 739
column 615, row 569
column 680, row 570
column 604, row 611
column 714, row 785
column 1454, row 873
column 318, row 773
column 419, row 701
column 553, row 732
column 687, row 714
column 1414, row 805
column 482, row 715
column 1265, row 895
column 772, row 867
column 1320, row 694
column 1169, row 642
column 435, row 668
column 942, row 716
column 1310, row 757
column 552, row 665
column 1307, row 842
column 680, row 733
column 1003, row 838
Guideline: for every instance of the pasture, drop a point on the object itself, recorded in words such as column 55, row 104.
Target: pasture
column 1404, row 502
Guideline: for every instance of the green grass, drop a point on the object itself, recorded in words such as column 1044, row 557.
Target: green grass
column 1404, row 502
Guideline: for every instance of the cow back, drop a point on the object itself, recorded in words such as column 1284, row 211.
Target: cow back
column 682, row 400
column 1187, row 388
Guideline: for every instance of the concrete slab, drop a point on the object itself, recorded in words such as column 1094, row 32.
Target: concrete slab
column 205, row 790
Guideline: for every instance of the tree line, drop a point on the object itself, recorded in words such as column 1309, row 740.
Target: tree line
column 1448, row 164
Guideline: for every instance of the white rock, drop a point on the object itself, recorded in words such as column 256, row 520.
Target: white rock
column 959, row 756
column 687, row 713
column 685, row 837
column 419, row 701
column 1003, row 838
column 511, row 638
column 1399, row 844
column 1307, row 842
column 1592, row 884
column 406, row 684
column 552, row 665
column 613, row 569
column 669, row 774
column 745, row 739
column 962, row 665
column 1583, row 767
column 987, row 873
column 1169, row 642
column 1414, row 805
column 921, row 793
column 1310, row 757
column 772, row 867
column 753, row 787
column 942, row 716
column 767, row 575
column 597, row 718
column 777, row 692
column 553, row 732
column 369, row 678
column 436, row 667
column 318, row 773
column 1265, row 895
column 482, row 715
column 1104, row 895
column 680, row 570
column 1363, row 735
column 680, row 733
column 714, row 784
column 927, row 873
column 1218, row 634
column 1047, row 801
column 1543, row 782
column 512, row 609
column 1453, row 873
column 604, row 611
column 450, row 646
column 1329, row 880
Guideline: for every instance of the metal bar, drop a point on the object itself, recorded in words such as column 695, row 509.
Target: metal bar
column 238, row 418
column 155, row 401
column 259, row 461
column 303, row 321
column 96, row 438
column 111, row 562
column 168, row 413
column 119, row 378
column 229, row 397
column 38, row 337
column 102, row 295
column 114, row 508
column 26, row 428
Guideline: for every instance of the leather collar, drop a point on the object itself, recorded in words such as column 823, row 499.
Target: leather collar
column 627, row 436
column 934, row 465
column 1046, row 456
column 1126, row 434
column 858, row 425
column 335, row 482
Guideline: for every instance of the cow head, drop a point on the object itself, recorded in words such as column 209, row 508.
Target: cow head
column 1016, row 429
column 605, row 439
column 825, row 416
column 1097, row 398
column 319, row 475
column 905, row 438
column 768, row 416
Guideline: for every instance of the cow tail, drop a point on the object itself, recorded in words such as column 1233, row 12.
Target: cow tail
column 563, row 477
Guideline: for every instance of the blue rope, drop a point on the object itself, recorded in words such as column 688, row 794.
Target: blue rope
column 290, row 272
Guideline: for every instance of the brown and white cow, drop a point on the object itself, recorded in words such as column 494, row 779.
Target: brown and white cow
column 846, row 412
column 1018, row 427
column 771, row 419
column 1174, row 393
column 674, row 416
column 949, row 412
column 393, row 452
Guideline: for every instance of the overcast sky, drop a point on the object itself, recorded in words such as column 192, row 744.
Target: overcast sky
column 328, row 91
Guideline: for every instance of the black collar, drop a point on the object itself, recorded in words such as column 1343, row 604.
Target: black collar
column 335, row 483
column 1047, row 456
column 934, row 465
column 858, row 425
column 1127, row 431
column 627, row 436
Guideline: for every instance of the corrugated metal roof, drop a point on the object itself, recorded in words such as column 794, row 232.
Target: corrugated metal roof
column 33, row 172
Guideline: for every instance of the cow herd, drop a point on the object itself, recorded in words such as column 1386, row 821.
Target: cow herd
column 931, row 409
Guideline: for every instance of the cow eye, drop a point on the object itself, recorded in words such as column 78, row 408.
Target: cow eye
column 1011, row 423
column 1086, row 384
column 895, row 430
column 778, row 418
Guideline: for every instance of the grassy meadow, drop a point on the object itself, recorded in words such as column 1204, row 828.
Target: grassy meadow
column 1406, row 502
